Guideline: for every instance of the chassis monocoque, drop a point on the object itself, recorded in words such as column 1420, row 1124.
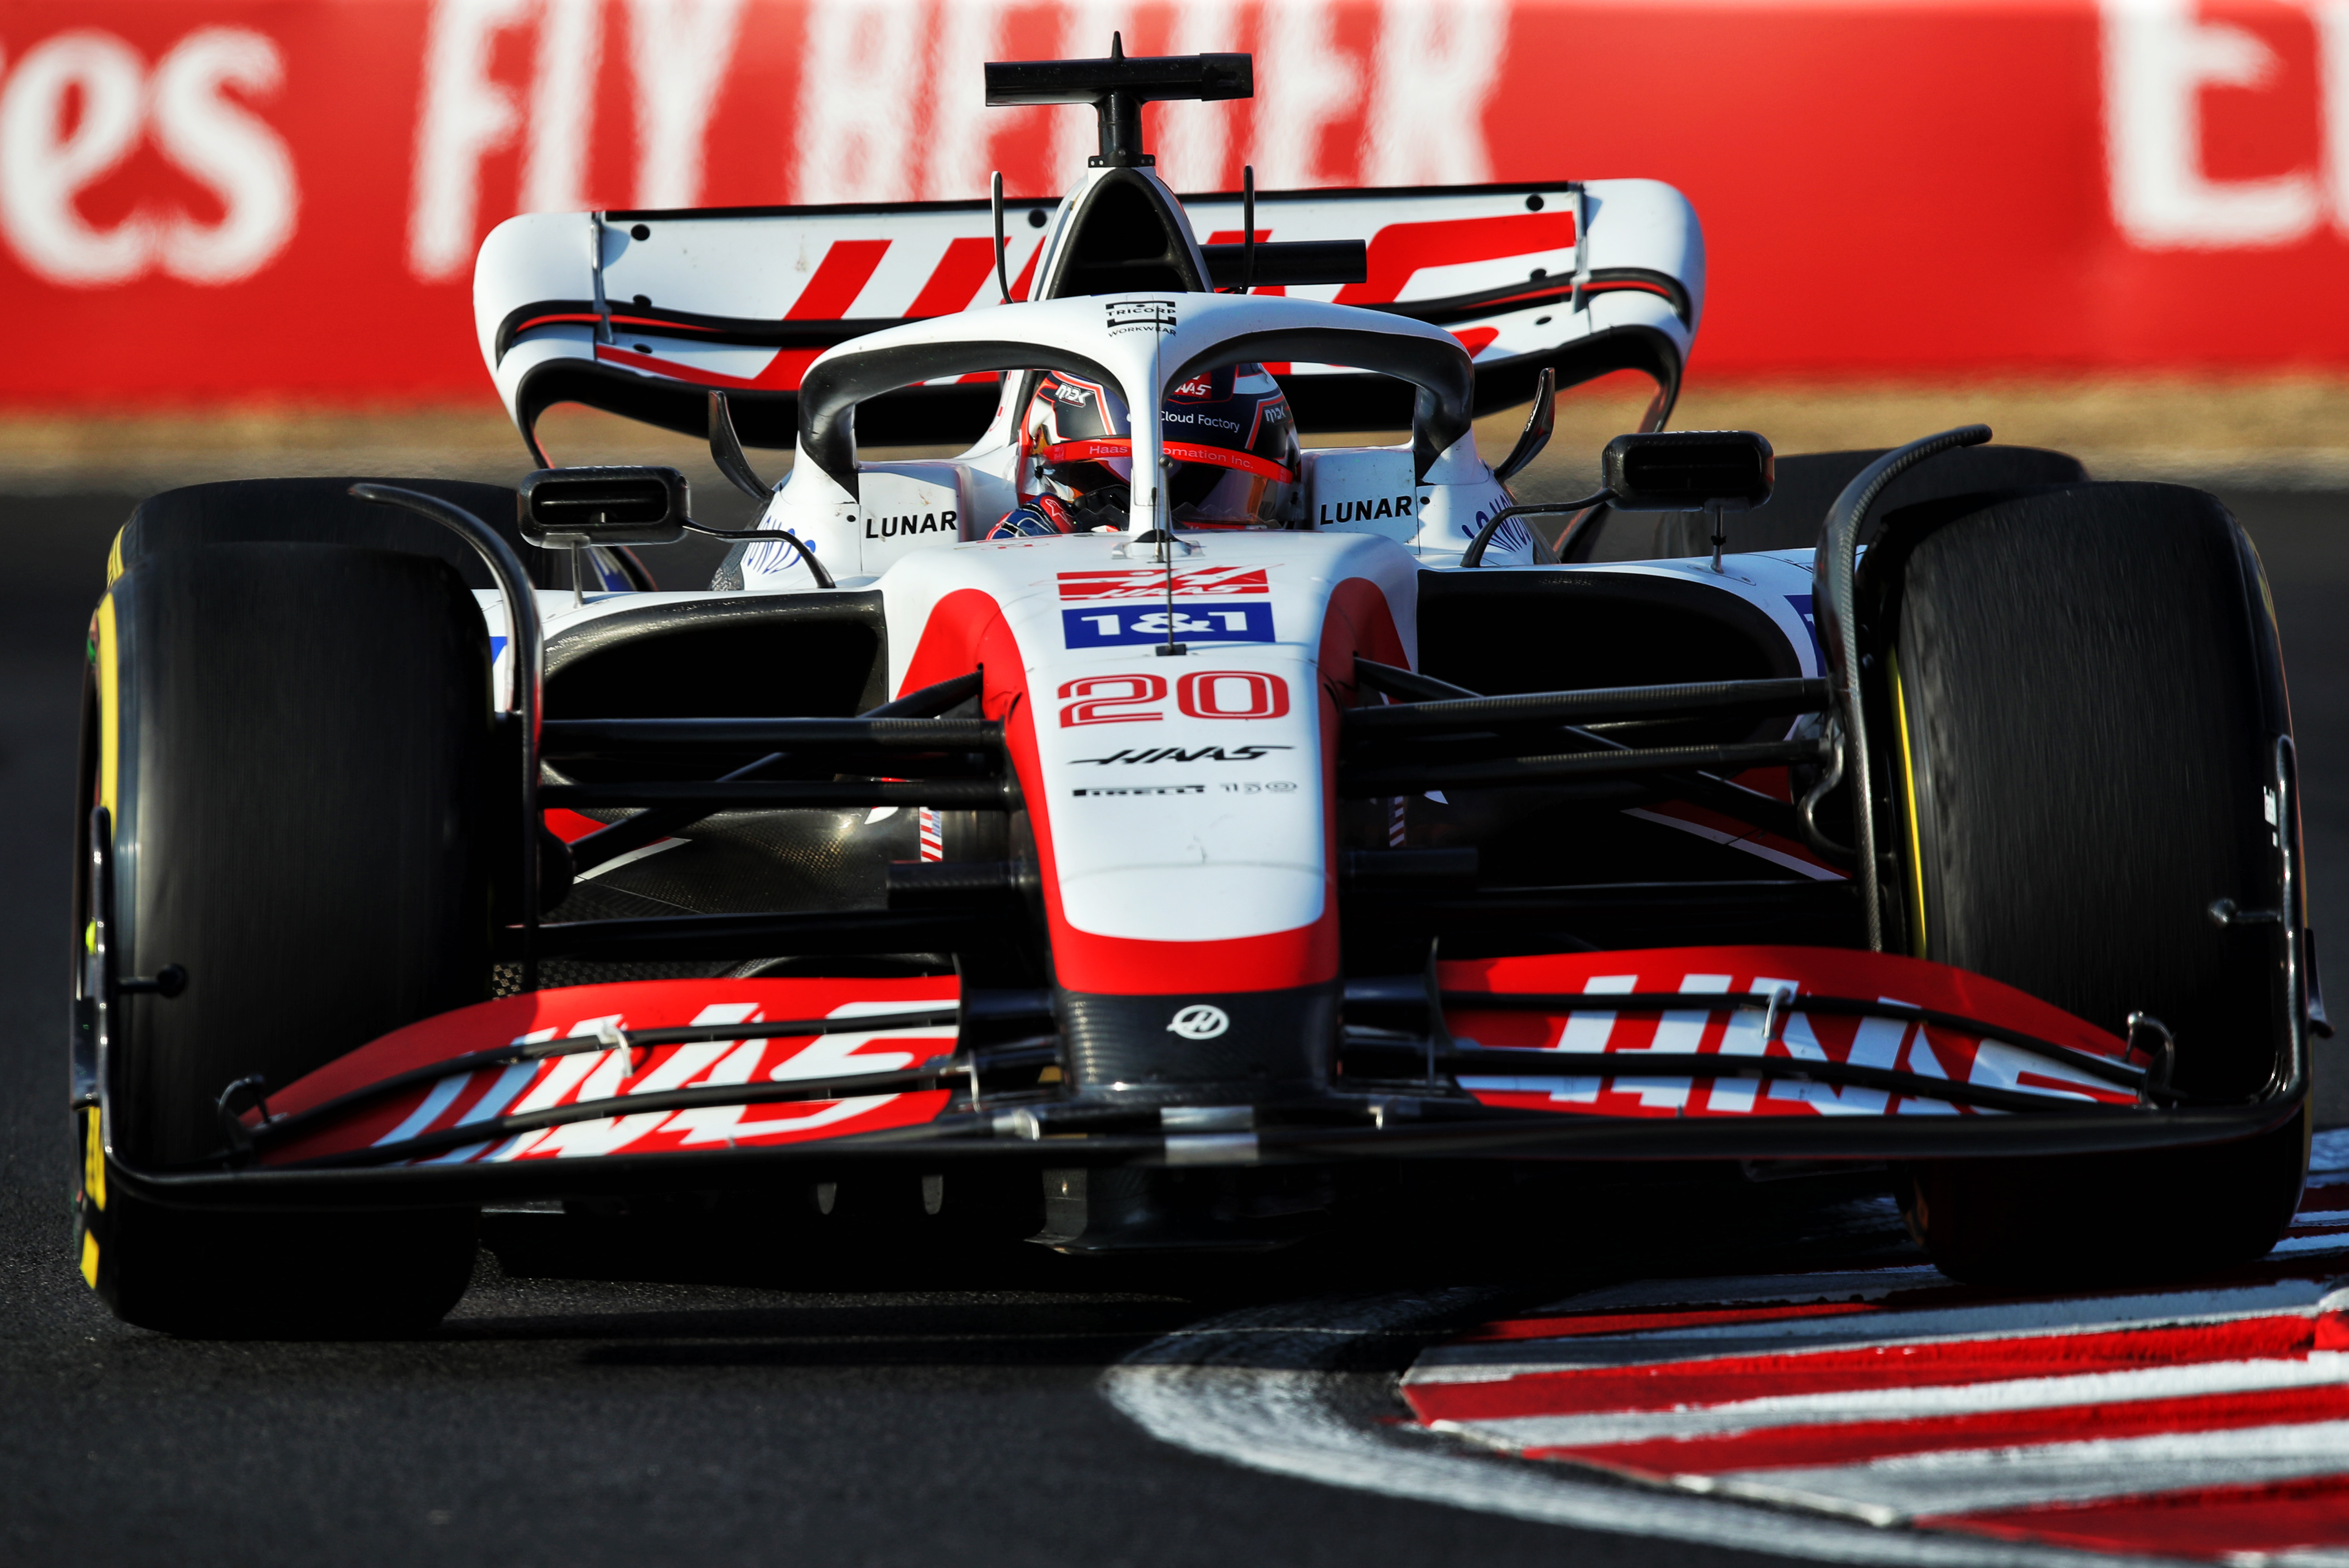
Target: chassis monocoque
column 1164, row 886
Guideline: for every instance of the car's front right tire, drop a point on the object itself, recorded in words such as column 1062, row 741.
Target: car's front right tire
column 2077, row 710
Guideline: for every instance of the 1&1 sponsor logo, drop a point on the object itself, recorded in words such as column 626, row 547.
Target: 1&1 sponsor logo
column 1108, row 627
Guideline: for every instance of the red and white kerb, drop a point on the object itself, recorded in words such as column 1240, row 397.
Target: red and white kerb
column 2205, row 1421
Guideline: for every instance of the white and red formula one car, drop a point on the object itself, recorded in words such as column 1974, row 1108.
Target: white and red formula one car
column 1161, row 831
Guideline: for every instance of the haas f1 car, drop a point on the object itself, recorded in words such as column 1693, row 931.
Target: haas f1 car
column 1145, row 826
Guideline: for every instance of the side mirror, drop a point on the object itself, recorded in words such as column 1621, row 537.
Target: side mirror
column 1688, row 471
column 570, row 508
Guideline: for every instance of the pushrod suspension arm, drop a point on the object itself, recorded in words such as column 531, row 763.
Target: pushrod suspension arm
column 1799, row 695
column 592, row 737
column 1407, row 777
column 771, row 794
column 651, row 825
column 1748, row 805
column 670, row 938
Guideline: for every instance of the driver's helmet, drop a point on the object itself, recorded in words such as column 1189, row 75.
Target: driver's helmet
column 1230, row 444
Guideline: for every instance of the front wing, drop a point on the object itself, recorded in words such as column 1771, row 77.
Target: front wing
column 1695, row 1053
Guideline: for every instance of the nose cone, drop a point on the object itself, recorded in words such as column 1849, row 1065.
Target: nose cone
column 1199, row 1048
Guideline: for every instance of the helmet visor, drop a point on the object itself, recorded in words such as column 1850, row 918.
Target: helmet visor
column 1205, row 484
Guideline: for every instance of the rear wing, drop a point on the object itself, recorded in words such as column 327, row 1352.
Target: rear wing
column 642, row 314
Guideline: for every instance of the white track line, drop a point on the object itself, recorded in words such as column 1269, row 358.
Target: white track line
column 1904, row 1403
column 1978, row 1480
column 1698, row 1294
column 1498, row 1361
column 1261, row 1388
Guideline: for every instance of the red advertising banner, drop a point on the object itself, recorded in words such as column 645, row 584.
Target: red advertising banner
column 280, row 200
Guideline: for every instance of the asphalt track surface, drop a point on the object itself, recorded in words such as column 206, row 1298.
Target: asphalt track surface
column 756, row 1403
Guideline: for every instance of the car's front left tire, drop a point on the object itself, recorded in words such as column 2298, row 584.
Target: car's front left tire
column 286, row 761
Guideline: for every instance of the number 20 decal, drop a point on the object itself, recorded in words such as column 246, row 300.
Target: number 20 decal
column 1203, row 694
column 1100, row 698
column 1231, row 694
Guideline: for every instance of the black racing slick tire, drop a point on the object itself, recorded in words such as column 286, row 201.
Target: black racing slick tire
column 2077, row 704
column 288, row 748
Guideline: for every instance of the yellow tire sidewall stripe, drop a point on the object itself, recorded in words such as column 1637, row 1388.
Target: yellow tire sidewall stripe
column 93, row 1157
column 1916, row 878
column 109, row 710
column 109, row 785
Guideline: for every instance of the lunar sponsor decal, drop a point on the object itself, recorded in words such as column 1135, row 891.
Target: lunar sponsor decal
column 1194, row 582
column 1367, row 510
column 910, row 522
column 1109, row 627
